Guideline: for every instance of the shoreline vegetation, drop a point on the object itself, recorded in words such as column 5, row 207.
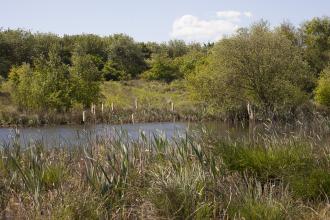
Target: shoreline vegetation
column 139, row 101
column 193, row 177
column 124, row 102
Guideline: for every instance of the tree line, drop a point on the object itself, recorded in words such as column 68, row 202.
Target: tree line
column 274, row 70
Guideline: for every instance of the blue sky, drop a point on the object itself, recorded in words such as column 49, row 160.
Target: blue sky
column 154, row 20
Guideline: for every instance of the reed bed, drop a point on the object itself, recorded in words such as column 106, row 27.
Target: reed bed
column 196, row 176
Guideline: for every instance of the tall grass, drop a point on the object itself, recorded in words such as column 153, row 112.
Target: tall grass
column 192, row 177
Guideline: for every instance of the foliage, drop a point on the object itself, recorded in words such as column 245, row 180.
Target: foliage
column 126, row 56
column 322, row 92
column 21, row 79
column 163, row 69
column 52, row 85
column 16, row 47
column 47, row 86
column 191, row 62
column 316, row 34
column 271, row 70
column 112, row 71
column 86, row 80
column 177, row 48
column 256, row 66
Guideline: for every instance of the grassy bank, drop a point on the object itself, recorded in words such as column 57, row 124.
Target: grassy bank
column 146, row 101
column 193, row 177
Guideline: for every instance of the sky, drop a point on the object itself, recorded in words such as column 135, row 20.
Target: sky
column 155, row 20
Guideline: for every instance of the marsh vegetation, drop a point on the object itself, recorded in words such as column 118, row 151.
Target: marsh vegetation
column 270, row 175
column 276, row 78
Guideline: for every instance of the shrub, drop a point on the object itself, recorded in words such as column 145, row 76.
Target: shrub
column 164, row 69
column 322, row 92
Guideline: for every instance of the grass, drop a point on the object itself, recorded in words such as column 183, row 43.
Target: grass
column 193, row 177
column 154, row 101
column 156, row 95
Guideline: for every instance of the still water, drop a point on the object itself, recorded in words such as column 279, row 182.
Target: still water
column 66, row 135
column 79, row 135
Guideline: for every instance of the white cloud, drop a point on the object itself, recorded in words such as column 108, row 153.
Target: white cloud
column 248, row 14
column 192, row 28
column 230, row 15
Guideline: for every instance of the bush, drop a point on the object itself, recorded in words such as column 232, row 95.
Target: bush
column 256, row 66
column 164, row 69
column 322, row 92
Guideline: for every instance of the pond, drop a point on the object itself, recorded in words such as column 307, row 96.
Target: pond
column 78, row 135
column 66, row 135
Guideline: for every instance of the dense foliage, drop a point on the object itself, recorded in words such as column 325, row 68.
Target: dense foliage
column 322, row 95
column 256, row 66
column 274, row 71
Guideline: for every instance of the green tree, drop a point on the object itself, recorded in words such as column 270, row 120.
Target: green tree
column 21, row 81
column 162, row 68
column 92, row 45
column 191, row 62
column 112, row 71
column 316, row 35
column 322, row 92
column 289, row 31
column 126, row 55
column 86, row 79
column 44, row 42
column 177, row 48
column 52, row 83
column 16, row 48
column 256, row 66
